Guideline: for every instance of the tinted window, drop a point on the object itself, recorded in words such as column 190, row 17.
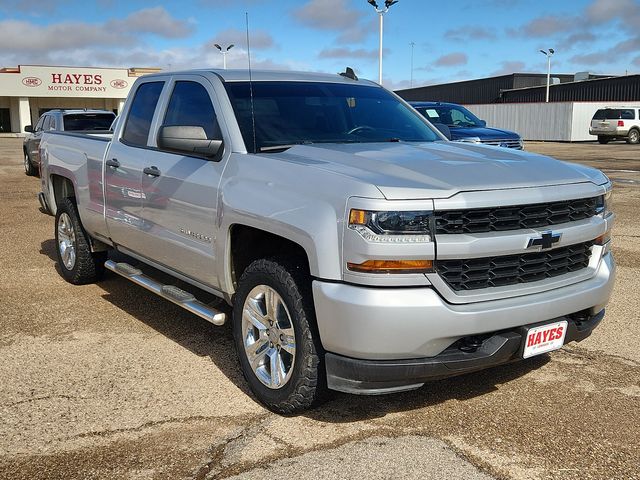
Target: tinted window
column 52, row 122
column 39, row 125
column 47, row 122
column 136, row 131
column 453, row 116
column 287, row 113
column 88, row 121
column 612, row 114
column 599, row 115
column 627, row 115
column 190, row 105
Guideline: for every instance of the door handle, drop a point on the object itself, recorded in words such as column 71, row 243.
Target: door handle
column 151, row 171
column 114, row 163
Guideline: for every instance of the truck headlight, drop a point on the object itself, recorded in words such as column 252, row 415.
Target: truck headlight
column 603, row 203
column 392, row 226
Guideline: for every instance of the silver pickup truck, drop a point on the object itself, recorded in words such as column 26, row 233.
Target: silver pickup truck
column 361, row 251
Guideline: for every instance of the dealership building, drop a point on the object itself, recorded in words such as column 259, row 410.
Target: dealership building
column 27, row 91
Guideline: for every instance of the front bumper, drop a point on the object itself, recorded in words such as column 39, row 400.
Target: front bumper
column 373, row 377
column 414, row 322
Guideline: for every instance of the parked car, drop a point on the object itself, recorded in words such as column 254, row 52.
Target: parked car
column 619, row 123
column 464, row 126
column 361, row 251
column 95, row 122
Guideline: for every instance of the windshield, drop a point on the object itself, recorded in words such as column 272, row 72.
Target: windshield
column 290, row 113
column 88, row 121
column 451, row 115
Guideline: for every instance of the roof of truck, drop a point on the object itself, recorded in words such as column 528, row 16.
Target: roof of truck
column 76, row 111
column 270, row 75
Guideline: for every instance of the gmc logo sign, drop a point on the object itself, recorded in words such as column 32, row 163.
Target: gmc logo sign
column 31, row 81
column 119, row 83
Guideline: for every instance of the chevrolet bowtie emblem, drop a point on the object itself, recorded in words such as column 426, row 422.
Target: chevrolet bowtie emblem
column 544, row 241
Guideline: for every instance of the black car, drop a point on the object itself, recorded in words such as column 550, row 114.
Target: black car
column 464, row 126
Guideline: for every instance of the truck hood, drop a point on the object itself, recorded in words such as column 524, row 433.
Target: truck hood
column 483, row 133
column 438, row 169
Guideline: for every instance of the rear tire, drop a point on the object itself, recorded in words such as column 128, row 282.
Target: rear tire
column 78, row 265
column 603, row 140
column 634, row 136
column 29, row 169
column 276, row 341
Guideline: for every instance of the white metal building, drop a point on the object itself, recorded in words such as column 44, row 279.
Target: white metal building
column 27, row 91
column 554, row 121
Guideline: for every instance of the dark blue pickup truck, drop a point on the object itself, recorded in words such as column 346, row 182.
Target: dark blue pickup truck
column 464, row 126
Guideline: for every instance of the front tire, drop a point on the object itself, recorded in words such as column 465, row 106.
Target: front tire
column 78, row 265
column 29, row 169
column 634, row 136
column 603, row 140
column 274, row 331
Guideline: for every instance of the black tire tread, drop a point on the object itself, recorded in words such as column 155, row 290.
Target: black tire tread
column 629, row 137
column 89, row 266
column 30, row 171
column 310, row 385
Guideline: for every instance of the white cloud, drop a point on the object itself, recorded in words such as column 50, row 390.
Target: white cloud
column 155, row 20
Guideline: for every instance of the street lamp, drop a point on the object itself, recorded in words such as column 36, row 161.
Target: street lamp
column 381, row 11
column 224, row 53
column 548, row 54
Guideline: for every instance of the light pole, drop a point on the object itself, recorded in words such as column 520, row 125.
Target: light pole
column 413, row 44
column 224, row 53
column 381, row 12
column 548, row 54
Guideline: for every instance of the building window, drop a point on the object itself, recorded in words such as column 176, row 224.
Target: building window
column 5, row 120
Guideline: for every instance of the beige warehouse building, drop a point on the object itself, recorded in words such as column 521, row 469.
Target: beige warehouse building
column 27, row 91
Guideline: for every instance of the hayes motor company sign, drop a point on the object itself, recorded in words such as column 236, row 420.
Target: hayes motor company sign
column 38, row 81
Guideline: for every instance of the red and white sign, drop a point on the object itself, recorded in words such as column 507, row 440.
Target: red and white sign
column 119, row 83
column 31, row 82
column 53, row 81
column 545, row 339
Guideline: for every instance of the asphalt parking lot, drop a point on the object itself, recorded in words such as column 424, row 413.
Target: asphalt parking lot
column 109, row 381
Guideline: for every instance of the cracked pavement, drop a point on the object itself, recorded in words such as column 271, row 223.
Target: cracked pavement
column 109, row 381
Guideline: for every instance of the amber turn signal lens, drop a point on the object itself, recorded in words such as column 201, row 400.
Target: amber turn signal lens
column 357, row 217
column 602, row 239
column 392, row 266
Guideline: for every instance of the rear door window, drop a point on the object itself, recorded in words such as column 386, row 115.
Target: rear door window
column 136, row 130
column 599, row 115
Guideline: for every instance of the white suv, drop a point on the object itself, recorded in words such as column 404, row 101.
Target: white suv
column 616, row 123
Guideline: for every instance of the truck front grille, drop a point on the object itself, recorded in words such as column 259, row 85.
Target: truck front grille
column 476, row 273
column 516, row 217
column 509, row 143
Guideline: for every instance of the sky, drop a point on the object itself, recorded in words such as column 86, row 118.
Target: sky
column 452, row 41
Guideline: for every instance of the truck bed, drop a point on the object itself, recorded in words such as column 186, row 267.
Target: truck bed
column 78, row 157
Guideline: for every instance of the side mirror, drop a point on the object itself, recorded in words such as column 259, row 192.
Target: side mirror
column 28, row 129
column 188, row 139
column 483, row 123
column 444, row 129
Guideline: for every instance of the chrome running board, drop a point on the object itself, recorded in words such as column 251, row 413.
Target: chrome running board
column 170, row 292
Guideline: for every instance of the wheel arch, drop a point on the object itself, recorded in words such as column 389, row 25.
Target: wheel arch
column 246, row 243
